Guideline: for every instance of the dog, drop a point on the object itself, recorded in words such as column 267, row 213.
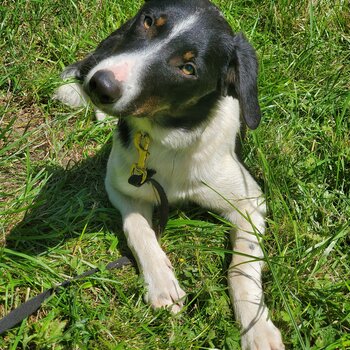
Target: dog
column 177, row 78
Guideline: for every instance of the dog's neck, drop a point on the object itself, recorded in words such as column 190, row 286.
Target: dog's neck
column 175, row 132
column 168, row 137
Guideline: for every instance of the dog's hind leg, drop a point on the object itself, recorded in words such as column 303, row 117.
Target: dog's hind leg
column 163, row 289
column 244, row 276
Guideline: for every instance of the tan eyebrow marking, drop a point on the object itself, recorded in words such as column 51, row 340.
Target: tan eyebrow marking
column 160, row 21
column 188, row 56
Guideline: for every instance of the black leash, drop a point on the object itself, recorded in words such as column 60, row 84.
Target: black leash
column 163, row 208
column 32, row 305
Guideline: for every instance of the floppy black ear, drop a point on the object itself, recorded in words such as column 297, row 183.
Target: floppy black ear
column 240, row 79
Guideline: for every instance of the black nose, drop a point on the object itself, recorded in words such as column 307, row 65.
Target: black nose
column 104, row 87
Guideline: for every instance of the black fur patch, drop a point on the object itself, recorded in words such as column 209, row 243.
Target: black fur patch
column 192, row 116
column 124, row 132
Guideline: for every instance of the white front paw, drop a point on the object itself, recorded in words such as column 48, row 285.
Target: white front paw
column 100, row 116
column 163, row 289
column 263, row 335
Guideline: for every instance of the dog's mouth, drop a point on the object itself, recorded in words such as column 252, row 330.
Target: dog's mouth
column 149, row 107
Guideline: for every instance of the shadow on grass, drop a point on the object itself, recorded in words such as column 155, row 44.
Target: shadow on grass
column 73, row 201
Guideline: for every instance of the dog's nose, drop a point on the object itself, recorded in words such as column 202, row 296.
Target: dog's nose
column 104, row 87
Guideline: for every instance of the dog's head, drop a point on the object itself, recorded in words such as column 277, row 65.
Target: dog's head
column 170, row 63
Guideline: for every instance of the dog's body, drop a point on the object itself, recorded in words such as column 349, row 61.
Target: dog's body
column 177, row 73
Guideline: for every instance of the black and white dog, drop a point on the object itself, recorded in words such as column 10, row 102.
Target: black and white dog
column 176, row 75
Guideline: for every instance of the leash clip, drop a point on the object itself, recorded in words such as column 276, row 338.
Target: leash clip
column 138, row 172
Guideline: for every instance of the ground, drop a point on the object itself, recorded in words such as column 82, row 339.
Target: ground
column 56, row 220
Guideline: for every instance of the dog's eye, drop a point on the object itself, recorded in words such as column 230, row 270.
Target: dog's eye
column 148, row 22
column 188, row 69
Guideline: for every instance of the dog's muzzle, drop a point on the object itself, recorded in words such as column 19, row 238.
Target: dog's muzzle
column 104, row 88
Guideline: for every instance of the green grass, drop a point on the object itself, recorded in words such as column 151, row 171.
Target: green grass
column 56, row 220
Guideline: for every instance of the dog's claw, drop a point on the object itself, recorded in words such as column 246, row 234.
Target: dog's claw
column 262, row 336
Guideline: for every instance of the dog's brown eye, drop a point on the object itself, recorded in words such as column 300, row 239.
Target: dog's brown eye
column 188, row 69
column 148, row 22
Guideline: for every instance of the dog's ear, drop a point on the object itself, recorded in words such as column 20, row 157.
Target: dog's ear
column 240, row 79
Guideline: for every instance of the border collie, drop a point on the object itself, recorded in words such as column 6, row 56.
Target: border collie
column 181, row 84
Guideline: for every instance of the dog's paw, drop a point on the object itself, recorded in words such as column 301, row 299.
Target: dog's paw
column 163, row 289
column 71, row 94
column 263, row 335
column 71, row 71
column 100, row 116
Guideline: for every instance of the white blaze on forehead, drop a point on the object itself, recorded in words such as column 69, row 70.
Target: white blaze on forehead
column 183, row 26
column 128, row 67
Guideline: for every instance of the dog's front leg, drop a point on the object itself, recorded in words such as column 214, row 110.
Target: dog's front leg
column 258, row 331
column 163, row 289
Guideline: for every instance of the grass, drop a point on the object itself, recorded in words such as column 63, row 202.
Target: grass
column 56, row 220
